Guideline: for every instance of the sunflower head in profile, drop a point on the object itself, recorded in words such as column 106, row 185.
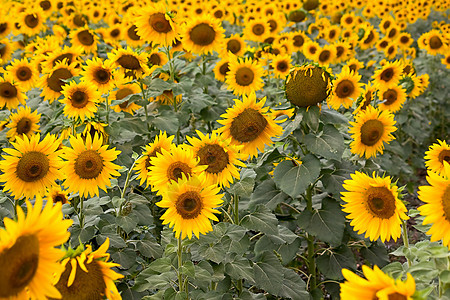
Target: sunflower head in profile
column 393, row 98
column 24, row 73
column 373, row 206
column 24, row 122
column 99, row 74
column 80, row 100
column 244, row 76
column 161, row 141
column 130, row 63
column 377, row 285
column 307, row 85
column 366, row 98
column 154, row 24
column 11, row 93
column 31, row 167
column 88, row 275
column 437, row 156
column 88, row 165
column 372, row 128
column 249, row 124
column 388, row 76
column 202, row 35
column 191, row 203
column 346, row 89
column 28, row 257
column 56, row 194
column 221, row 157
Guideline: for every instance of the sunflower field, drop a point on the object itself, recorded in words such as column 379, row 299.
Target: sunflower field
column 206, row 149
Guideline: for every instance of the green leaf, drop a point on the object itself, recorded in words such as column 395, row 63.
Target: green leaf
column 126, row 258
column 244, row 187
column 269, row 274
column 327, row 224
column 268, row 194
column 376, row 254
column 293, row 180
column 262, row 220
column 331, row 263
column 157, row 86
column 149, row 247
column 188, row 269
column 445, row 276
column 330, row 116
column 127, row 223
column 290, row 127
column 167, row 121
column 240, row 268
column 311, row 117
column 293, row 286
column 329, row 144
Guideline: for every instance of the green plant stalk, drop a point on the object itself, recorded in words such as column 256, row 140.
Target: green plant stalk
column 205, row 88
column 180, row 264
column 81, row 216
column 236, row 209
column 127, row 182
column 405, row 239
column 144, row 96
column 107, row 109
column 311, row 245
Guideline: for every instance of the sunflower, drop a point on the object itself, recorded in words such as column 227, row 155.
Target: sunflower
column 24, row 73
column 80, row 100
column 202, row 35
column 281, row 65
column 437, row 205
column 248, row 124
column 326, row 55
column 28, row 257
column 88, row 165
column 53, row 81
column 346, row 89
column 343, row 51
column 124, row 90
column 70, row 54
column 162, row 141
column 11, row 94
column 404, row 40
column 100, row 74
column 155, row 25
column 437, row 156
column 84, row 38
column 244, row 76
column 24, row 122
column 220, row 155
column 366, row 98
column 31, row 167
column 131, row 36
column 370, row 37
column 31, row 21
column 311, row 49
column 131, row 64
column 297, row 39
column 157, row 58
column 433, row 42
column 373, row 206
column 88, row 275
column 372, row 127
column 378, row 285
column 307, row 85
column 222, row 68
column 234, row 44
column 388, row 76
column 446, row 60
column 5, row 27
column 56, row 195
column 170, row 165
column 393, row 97
column 256, row 30
column 190, row 204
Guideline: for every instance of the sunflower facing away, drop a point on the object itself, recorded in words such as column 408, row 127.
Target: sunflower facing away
column 346, row 89
column 377, row 285
column 437, row 156
column 162, row 141
column 80, row 100
column 88, row 274
column 202, row 35
column 24, row 122
column 437, row 206
column 190, row 204
column 372, row 127
column 28, row 257
column 221, row 157
column 31, row 167
column 88, row 165
column 249, row 124
column 244, row 76
column 373, row 206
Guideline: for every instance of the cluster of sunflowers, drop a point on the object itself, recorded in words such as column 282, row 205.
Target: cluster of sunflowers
column 91, row 59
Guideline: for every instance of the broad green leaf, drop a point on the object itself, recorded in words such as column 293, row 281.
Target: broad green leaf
column 268, row 194
column 311, row 117
column 331, row 263
column 376, row 254
column 330, row 116
column 127, row 223
column 149, row 247
column 327, row 223
column 244, row 187
column 240, row 268
column 329, row 144
column 126, row 258
column 262, row 220
column 290, row 127
column 293, row 286
column 167, row 122
column 268, row 274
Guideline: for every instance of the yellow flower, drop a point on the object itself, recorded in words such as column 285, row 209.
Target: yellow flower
column 281, row 65
column 23, row 73
column 84, row 38
column 437, row 156
column 100, row 74
column 346, row 89
column 393, row 98
column 388, row 76
column 24, row 122
column 202, row 35
column 11, row 94
column 80, row 100
column 244, row 76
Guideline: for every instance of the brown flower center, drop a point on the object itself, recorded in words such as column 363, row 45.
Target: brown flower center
column 224, row 68
column 3, row 27
column 189, row 205
column 369, row 38
column 380, row 202
column 102, row 75
column 258, row 29
column 31, row 21
column 79, row 99
column 23, row 73
column 55, row 81
column 7, row 90
column 367, row 100
column 392, row 32
column 148, row 164
column 272, row 25
column 324, row 56
column 214, row 156
column 155, row 59
column 218, row 14
column 45, row 5
column 60, row 198
column 339, row 51
column 159, row 23
column 371, row 132
column 296, row 16
column 435, row 42
column 176, row 170
column 59, row 58
column 202, row 34
column 390, row 96
column 244, row 76
column 115, row 33
column 88, row 164
column 397, row 296
column 123, row 92
column 130, row 62
column 132, row 33
column 444, row 155
column 446, row 203
column 80, row 20
column 248, row 125
column 282, row 66
column 24, row 126
column 345, row 88
column 234, row 46
column 32, row 166
column 387, row 74
column 383, row 44
column 299, row 40
column 19, row 265
column 85, row 37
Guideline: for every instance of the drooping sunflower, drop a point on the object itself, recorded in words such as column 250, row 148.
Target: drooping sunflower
column 31, row 167
column 307, row 85
column 131, row 63
column 80, row 100
column 244, row 76
column 11, row 94
column 393, row 98
column 346, row 89
column 28, row 257
column 372, row 128
column 100, row 74
column 88, row 275
column 170, row 165
column 437, row 156
column 57, row 195
column 281, row 65
column 436, row 209
column 388, row 76
column 23, row 73
column 85, row 38
column 373, row 206
column 52, row 82
column 23, row 122
column 234, row 44
column 155, row 25
column 377, row 285
column 249, row 124
column 88, row 165
column 202, row 35
column 191, row 203
column 221, row 157
column 161, row 141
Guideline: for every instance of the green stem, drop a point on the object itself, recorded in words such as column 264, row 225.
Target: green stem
column 205, row 88
column 144, row 96
column 236, row 209
column 107, row 110
column 405, row 239
column 81, row 216
column 127, row 182
column 311, row 245
column 180, row 264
